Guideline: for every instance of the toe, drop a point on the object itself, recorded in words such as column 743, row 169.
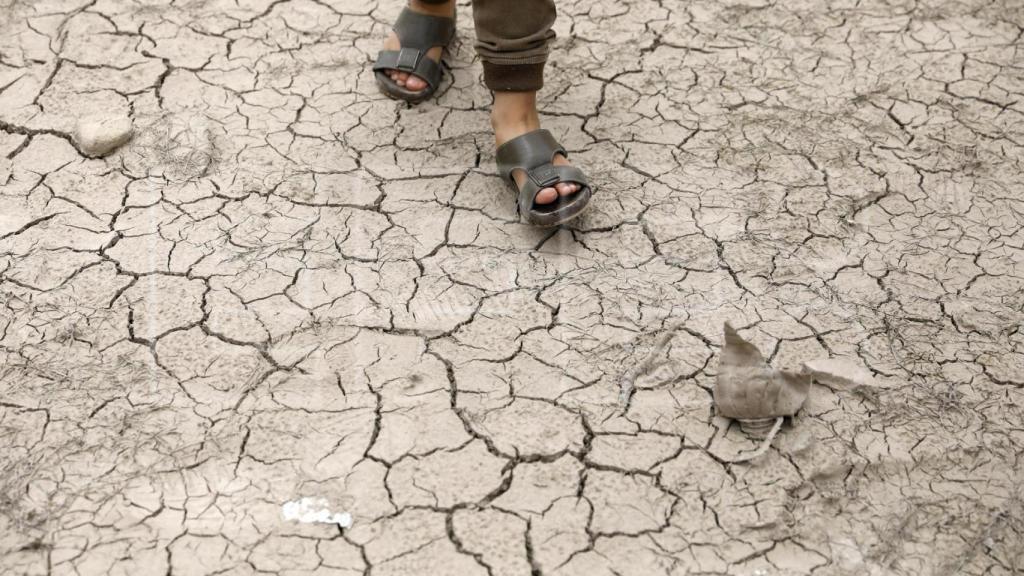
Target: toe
column 546, row 196
column 415, row 83
column 403, row 78
column 564, row 188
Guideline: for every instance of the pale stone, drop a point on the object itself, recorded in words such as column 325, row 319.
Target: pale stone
column 99, row 136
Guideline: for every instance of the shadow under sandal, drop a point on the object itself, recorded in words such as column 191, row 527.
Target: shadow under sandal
column 533, row 153
column 417, row 33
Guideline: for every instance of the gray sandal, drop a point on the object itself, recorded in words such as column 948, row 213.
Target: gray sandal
column 532, row 153
column 417, row 33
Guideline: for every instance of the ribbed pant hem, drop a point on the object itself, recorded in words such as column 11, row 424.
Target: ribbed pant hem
column 514, row 77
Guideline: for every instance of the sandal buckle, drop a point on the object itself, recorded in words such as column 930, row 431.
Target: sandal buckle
column 408, row 58
column 544, row 176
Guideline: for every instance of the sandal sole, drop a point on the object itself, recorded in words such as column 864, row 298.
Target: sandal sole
column 541, row 224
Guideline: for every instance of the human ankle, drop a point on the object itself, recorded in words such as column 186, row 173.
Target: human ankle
column 507, row 129
column 514, row 113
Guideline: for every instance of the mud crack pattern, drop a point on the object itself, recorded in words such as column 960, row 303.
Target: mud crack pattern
column 287, row 286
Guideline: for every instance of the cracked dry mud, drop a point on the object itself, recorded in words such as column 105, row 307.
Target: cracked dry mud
column 288, row 286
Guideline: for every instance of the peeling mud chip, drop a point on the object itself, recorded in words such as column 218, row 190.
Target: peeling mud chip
column 751, row 391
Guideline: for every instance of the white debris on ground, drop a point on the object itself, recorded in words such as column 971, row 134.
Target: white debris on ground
column 98, row 136
column 314, row 511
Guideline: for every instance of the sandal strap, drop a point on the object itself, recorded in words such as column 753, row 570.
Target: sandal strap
column 527, row 196
column 412, row 61
column 549, row 175
column 528, row 152
column 423, row 31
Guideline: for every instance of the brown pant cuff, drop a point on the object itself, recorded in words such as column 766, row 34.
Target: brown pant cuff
column 514, row 77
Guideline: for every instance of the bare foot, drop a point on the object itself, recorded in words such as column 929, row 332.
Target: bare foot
column 411, row 81
column 515, row 114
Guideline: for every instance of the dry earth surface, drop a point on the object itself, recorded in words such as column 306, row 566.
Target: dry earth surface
column 286, row 285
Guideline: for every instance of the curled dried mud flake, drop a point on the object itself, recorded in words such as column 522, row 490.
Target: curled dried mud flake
column 749, row 389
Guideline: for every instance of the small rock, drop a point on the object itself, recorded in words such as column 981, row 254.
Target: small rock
column 99, row 136
column 839, row 373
